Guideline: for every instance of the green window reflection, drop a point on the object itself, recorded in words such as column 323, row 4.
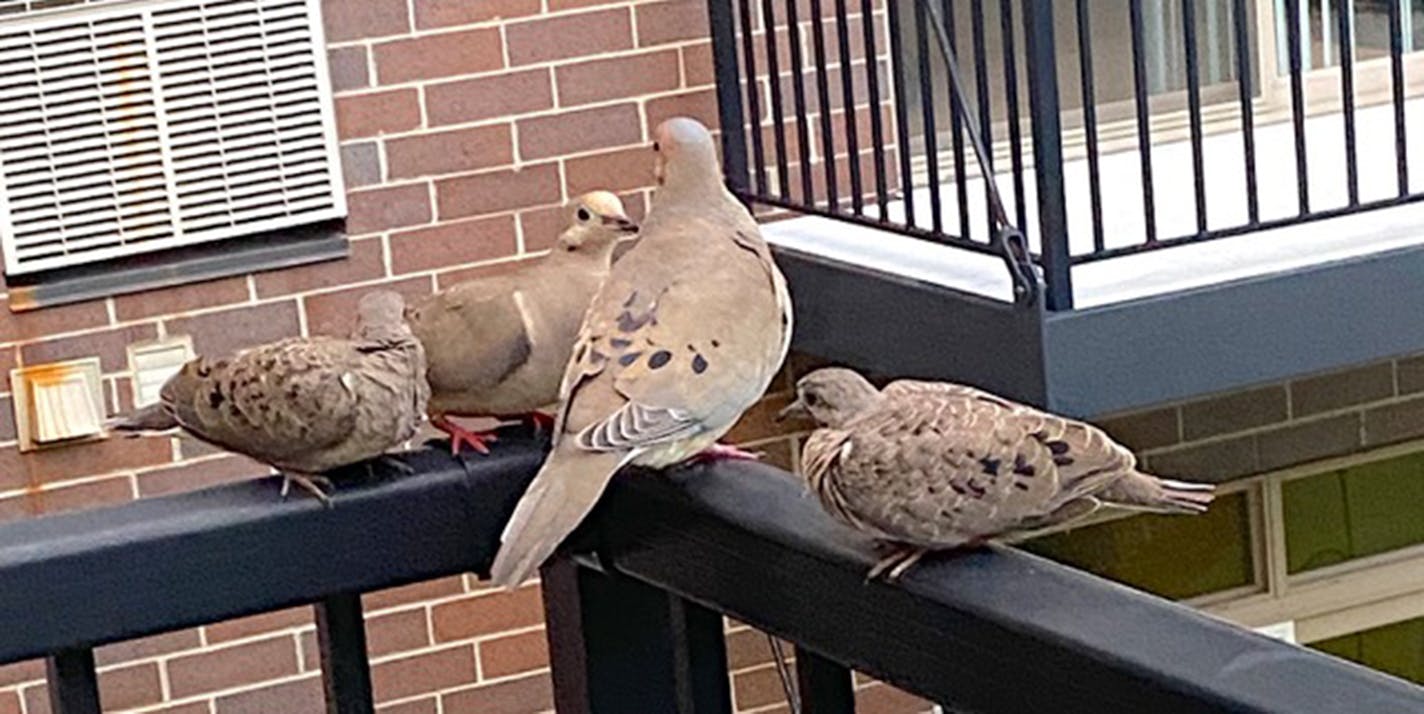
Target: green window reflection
column 1172, row 556
column 1354, row 512
column 1397, row 649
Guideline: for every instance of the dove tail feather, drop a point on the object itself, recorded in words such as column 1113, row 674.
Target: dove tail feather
column 561, row 495
column 154, row 417
column 1144, row 492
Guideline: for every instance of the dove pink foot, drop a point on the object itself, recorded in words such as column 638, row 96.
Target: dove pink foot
column 723, row 452
column 539, row 421
column 477, row 440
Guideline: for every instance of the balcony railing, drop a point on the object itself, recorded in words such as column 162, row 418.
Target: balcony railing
column 1122, row 127
column 634, row 604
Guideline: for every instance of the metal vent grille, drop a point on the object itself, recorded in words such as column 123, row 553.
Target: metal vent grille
column 129, row 129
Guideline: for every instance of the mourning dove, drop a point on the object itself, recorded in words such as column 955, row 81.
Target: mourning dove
column 498, row 346
column 304, row 405
column 924, row 466
column 685, row 335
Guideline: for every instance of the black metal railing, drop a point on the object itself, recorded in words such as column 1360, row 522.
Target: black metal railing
column 635, row 601
column 1041, row 67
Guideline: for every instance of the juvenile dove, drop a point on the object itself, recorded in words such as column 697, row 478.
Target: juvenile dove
column 498, row 346
column 304, row 405
column 924, row 466
column 687, row 332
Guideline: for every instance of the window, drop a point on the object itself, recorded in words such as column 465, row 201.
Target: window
column 1354, row 512
column 134, row 128
column 1397, row 648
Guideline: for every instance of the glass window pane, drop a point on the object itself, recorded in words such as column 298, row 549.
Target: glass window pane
column 1397, row 649
column 1172, row 556
column 1362, row 510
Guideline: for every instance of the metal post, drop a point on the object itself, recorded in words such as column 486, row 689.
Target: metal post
column 826, row 686
column 1047, row 151
column 729, row 93
column 73, row 685
column 618, row 645
column 345, row 670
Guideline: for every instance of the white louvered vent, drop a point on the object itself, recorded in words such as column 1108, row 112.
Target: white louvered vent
column 128, row 128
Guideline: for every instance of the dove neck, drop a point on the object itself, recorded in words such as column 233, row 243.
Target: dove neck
column 384, row 335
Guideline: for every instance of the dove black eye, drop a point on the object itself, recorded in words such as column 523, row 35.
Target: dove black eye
column 812, row 400
column 583, row 214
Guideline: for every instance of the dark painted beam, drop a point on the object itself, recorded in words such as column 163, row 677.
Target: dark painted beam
column 166, row 563
column 993, row 630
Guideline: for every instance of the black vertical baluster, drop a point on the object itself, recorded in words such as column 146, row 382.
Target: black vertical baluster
column 872, row 87
column 798, row 99
column 902, row 117
column 1144, row 121
column 1011, row 95
column 1090, row 121
column 1189, row 38
column 956, row 128
column 857, row 202
column 73, row 685
column 826, row 687
column 753, row 95
column 823, row 94
column 1041, row 59
column 778, row 115
column 927, row 112
column 1396, row 73
column 1347, row 96
column 1242, row 30
column 729, row 93
column 1297, row 91
column 345, row 671
column 982, row 96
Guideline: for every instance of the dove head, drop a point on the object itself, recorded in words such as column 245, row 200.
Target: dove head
column 380, row 317
column 687, row 156
column 596, row 222
column 832, row 396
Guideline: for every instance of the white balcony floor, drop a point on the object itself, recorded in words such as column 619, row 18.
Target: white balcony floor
column 1169, row 269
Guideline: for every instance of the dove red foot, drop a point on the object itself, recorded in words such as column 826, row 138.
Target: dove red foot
column 724, row 452
column 460, row 436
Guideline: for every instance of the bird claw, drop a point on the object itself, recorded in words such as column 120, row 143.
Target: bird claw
column 901, row 559
column 477, row 440
column 318, row 486
column 540, row 422
column 723, row 452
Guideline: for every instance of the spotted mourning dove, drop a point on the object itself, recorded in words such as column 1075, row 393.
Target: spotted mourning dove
column 687, row 332
column 303, row 405
column 924, row 466
column 498, row 346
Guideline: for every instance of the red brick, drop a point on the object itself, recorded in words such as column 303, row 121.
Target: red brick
column 362, row 19
column 7, row 363
column 618, row 77
column 565, row 36
column 374, row 113
column 21, row 672
column 260, row 624
column 420, row 674
column 748, row 648
column 110, row 346
column 348, row 67
column 69, row 462
column 396, row 632
column 45, row 321
column 123, row 688
column 232, row 666
column 757, row 688
column 452, row 244
column 620, row 170
column 13, row 475
column 194, row 476
column 363, row 263
column 445, row 13
column 419, row 706
column 381, row 209
column 514, row 654
column 360, row 164
column 884, row 699
column 334, row 313
column 147, row 647
column 501, row 95
column 9, row 703
column 580, row 130
column 527, row 695
column 449, row 152
column 192, row 708
column 486, row 614
column 302, row 696
column 497, row 191
column 227, row 331
column 94, row 494
column 697, row 70
column 661, row 23
column 561, row 5
column 415, row 592
column 181, row 298
column 448, row 54
column 7, row 420
column 700, row 104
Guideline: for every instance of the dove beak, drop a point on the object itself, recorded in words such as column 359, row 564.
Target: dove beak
column 794, row 409
column 622, row 224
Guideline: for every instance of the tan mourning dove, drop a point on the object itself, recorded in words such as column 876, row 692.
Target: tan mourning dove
column 687, row 332
column 924, row 466
column 498, row 346
column 304, row 405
